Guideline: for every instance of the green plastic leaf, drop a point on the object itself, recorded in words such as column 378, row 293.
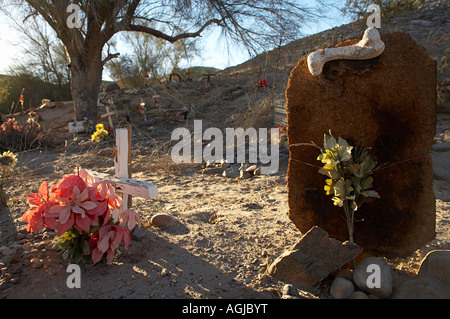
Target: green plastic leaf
column 85, row 247
column 329, row 142
column 342, row 142
column 371, row 193
column 343, row 153
column 355, row 169
column 367, row 183
column 330, row 171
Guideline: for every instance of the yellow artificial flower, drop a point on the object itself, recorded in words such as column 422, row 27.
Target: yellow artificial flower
column 94, row 137
column 8, row 160
column 100, row 134
column 329, row 187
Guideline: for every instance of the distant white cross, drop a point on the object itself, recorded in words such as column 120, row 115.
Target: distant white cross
column 110, row 113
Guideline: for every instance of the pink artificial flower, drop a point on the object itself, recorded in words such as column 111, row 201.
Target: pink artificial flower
column 64, row 188
column 73, row 208
column 39, row 203
column 130, row 218
column 102, row 191
column 86, row 177
column 106, row 240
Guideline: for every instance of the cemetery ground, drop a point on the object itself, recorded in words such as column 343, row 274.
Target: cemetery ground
column 225, row 231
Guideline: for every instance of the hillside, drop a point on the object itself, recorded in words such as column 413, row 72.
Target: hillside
column 428, row 25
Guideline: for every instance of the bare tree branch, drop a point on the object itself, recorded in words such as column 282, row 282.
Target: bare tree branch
column 171, row 39
column 258, row 24
column 110, row 57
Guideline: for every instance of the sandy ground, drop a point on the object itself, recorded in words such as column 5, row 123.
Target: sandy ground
column 226, row 233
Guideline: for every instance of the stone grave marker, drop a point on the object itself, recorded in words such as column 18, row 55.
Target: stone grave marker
column 388, row 102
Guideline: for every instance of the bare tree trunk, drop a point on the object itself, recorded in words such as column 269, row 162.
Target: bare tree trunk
column 85, row 86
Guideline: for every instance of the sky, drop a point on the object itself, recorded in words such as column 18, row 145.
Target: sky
column 213, row 51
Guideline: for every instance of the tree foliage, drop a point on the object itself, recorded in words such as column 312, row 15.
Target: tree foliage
column 258, row 24
column 150, row 56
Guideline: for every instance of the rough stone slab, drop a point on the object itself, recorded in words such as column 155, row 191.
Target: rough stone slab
column 389, row 103
column 313, row 258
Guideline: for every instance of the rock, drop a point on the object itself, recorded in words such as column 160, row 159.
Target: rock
column 389, row 103
column 358, row 295
column 440, row 165
column 363, row 272
column 289, row 290
column 244, row 175
column 421, row 22
column 422, row 288
column 6, row 251
column 436, row 264
column 345, row 273
column 139, row 234
column 112, row 87
column 231, row 172
column 38, row 264
column 312, row 258
column 209, row 164
column 433, row 281
column 341, row 288
column 447, row 136
column 165, row 272
column 161, row 220
column 251, row 169
column 223, row 163
column 12, row 259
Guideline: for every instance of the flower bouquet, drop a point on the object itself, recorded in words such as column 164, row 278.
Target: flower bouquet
column 100, row 134
column 349, row 172
column 85, row 215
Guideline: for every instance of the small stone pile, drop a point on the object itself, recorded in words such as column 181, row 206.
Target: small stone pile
column 432, row 281
column 343, row 286
column 316, row 257
column 241, row 171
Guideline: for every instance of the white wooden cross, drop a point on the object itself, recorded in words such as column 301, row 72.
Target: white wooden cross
column 122, row 181
column 110, row 113
column 77, row 127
